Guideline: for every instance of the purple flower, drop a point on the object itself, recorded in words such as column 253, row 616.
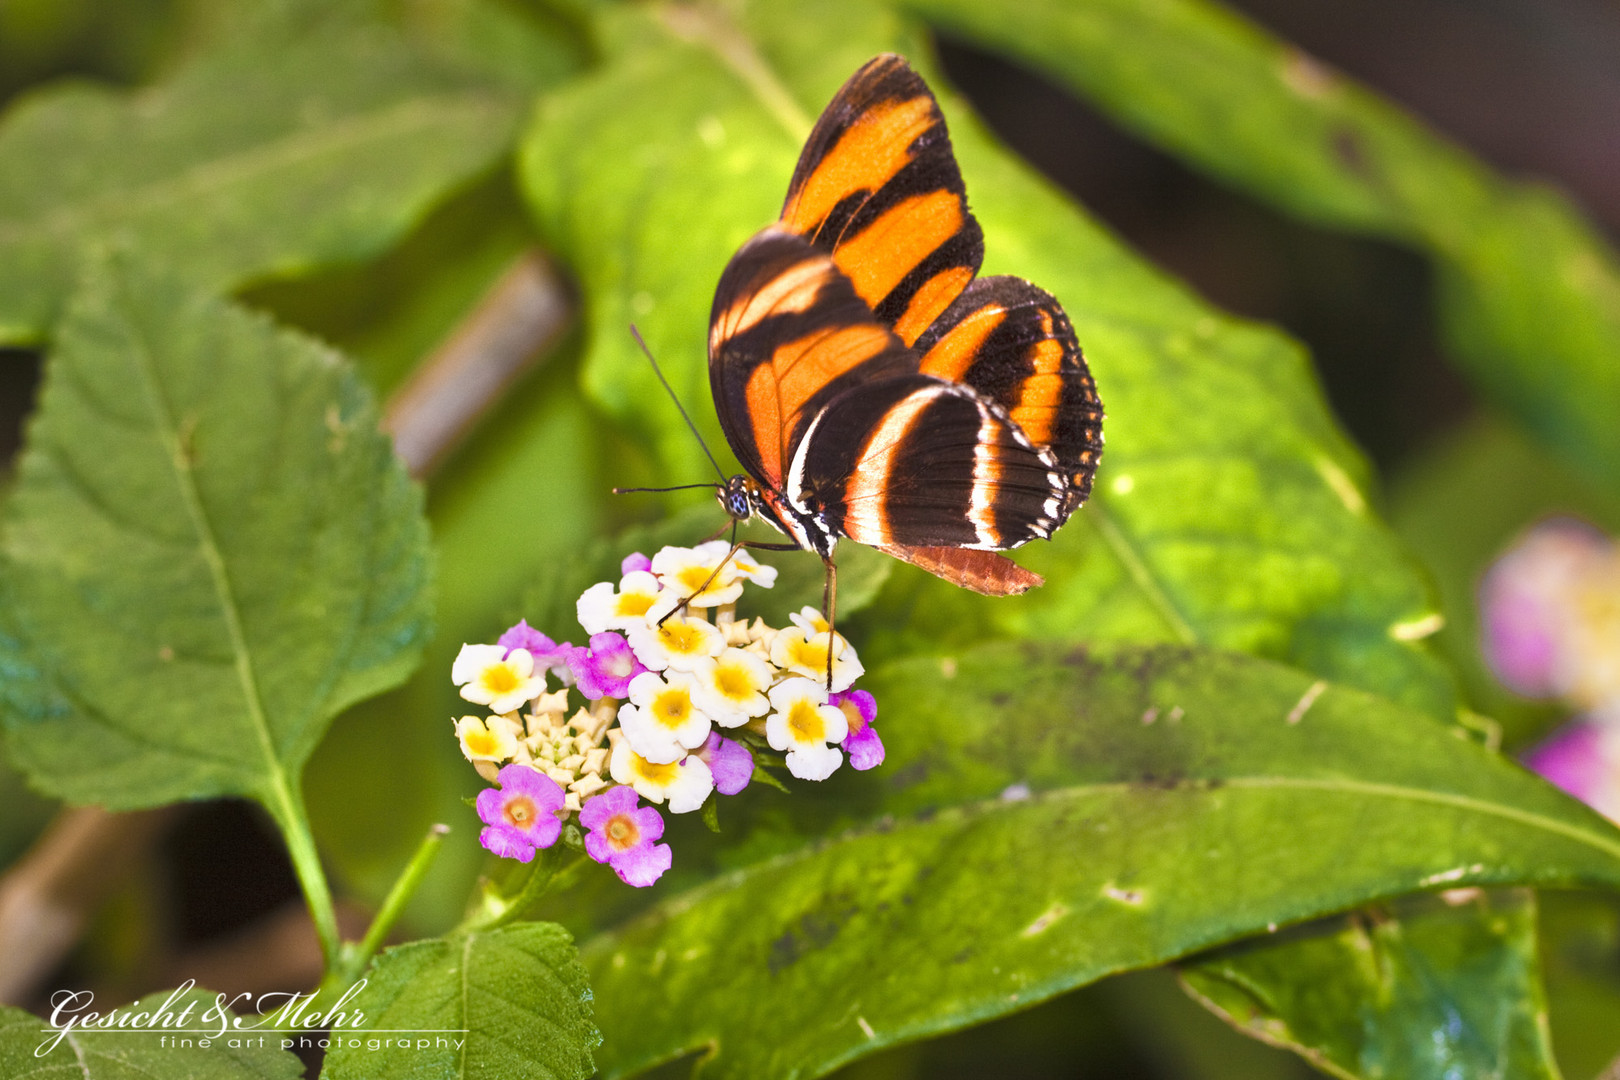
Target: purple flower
column 1583, row 758
column 521, row 816
column 623, row 834
column 633, row 562
column 605, row 669
column 548, row 655
column 862, row 744
column 730, row 763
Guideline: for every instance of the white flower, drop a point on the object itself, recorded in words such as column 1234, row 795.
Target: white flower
column 678, row 644
column 804, row 725
column 493, row 738
column 731, row 687
column 685, row 783
column 689, row 570
column 602, row 608
column 486, row 678
column 660, row 720
column 757, row 572
column 803, row 651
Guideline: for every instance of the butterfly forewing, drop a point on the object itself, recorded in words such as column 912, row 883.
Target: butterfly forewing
column 788, row 334
column 877, row 187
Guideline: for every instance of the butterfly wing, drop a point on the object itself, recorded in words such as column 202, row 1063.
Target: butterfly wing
column 878, row 189
column 787, row 334
column 1011, row 341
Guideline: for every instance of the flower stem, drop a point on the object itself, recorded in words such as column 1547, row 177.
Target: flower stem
column 355, row 955
column 498, row 910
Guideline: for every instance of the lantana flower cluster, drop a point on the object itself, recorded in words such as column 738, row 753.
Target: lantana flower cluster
column 672, row 700
column 1550, row 626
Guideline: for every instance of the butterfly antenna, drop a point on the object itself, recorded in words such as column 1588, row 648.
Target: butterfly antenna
column 671, row 391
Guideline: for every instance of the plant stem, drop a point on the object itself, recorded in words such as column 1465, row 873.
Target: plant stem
column 288, row 810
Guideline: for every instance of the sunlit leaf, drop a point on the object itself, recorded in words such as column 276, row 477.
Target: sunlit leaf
column 1229, row 508
column 1054, row 817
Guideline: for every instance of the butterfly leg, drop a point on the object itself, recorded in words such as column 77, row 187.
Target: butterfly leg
column 829, row 597
column 682, row 606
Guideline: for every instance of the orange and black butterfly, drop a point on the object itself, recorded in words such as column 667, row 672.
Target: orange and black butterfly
column 871, row 383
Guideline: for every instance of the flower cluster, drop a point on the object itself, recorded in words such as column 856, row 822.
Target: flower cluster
column 1550, row 628
column 678, row 700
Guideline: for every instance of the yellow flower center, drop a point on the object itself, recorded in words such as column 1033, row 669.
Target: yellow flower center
column 804, row 720
column 852, row 713
column 499, row 679
column 662, row 775
column 810, row 653
column 634, row 603
column 621, row 832
column 733, row 682
column 696, row 579
column 520, row 811
column 672, row 707
column 482, row 741
column 680, row 637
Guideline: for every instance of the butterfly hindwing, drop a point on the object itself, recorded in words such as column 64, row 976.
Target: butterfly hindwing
column 878, row 188
column 1011, row 341
column 919, row 462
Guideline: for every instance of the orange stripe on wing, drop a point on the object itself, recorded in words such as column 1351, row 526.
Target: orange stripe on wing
column 765, row 417
column 807, row 364
column 1040, row 394
column 954, row 353
column 880, row 256
column 867, row 156
column 793, row 290
column 930, row 300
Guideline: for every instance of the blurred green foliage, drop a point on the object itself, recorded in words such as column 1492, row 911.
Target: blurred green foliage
column 364, row 171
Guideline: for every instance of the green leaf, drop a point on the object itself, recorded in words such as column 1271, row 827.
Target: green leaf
column 128, row 1053
column 209, row 552
column 1426, row 987
column 504, row 1003
column 1229, row 509
column 1529, row 293
column 309, row 135
column 1053, row 817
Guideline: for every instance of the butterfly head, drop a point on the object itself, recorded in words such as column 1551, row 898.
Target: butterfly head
column 737, row 496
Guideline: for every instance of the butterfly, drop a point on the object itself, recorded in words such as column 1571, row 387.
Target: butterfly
column 871, row 383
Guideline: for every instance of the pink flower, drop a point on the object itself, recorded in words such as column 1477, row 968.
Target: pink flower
column 548, row 655
column 521, row 816
column 862, row 744
column 605, row 669
column 1550, row 616
column 623, row 834
column 633, row 562
column 1583, row 758
column 730, row 763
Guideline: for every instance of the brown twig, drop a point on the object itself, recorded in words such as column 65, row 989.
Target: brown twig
column 519, row 318
column 48, row 895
